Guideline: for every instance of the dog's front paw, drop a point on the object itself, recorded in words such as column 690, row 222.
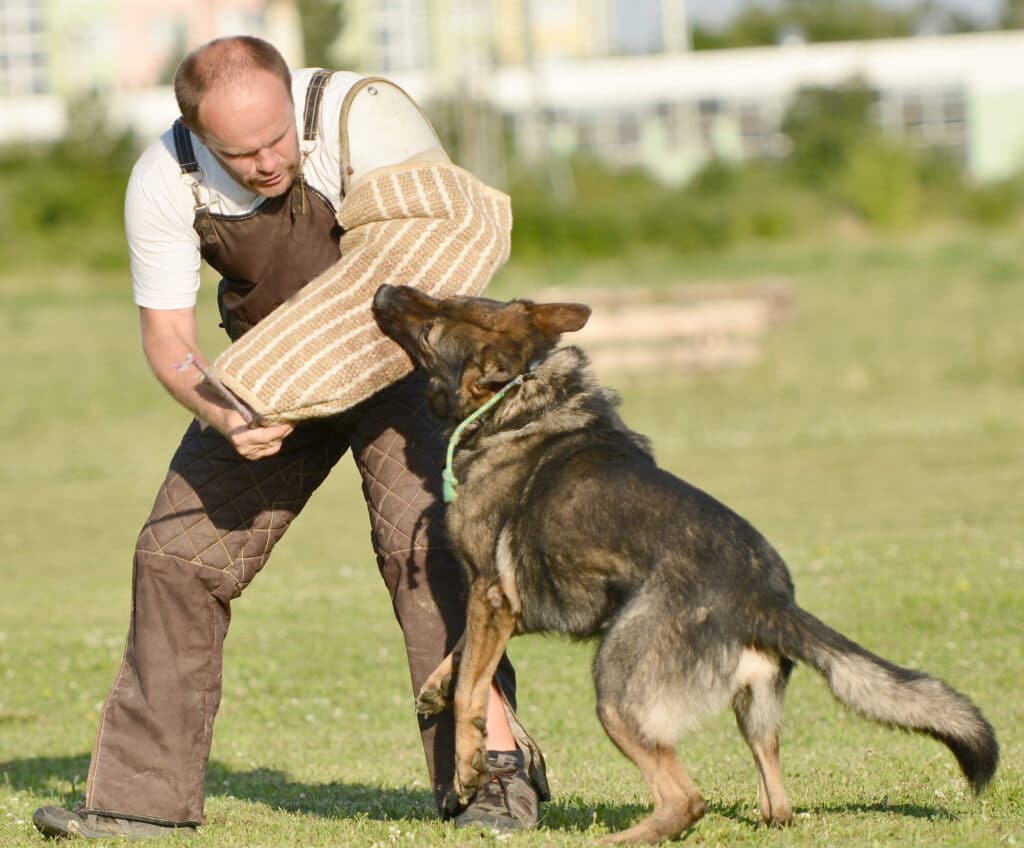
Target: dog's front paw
column 451, row 806
column 469, row 780
column 471, row 774
column 433, row 699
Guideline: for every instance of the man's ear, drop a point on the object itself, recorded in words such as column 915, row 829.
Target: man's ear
column 553, row 319
column 195, row 130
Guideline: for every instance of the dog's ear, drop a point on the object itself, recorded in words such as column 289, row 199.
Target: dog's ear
column 553, row 319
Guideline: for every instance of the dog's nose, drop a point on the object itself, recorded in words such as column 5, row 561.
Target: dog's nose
column 383, row 294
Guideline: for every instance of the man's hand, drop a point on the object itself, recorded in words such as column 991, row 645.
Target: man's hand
column 255, row 442
column 168, row 339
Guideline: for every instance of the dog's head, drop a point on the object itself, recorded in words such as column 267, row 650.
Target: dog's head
column 470, row 347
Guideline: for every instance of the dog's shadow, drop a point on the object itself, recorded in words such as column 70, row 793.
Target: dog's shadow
column 339, row 800
column 580, row 814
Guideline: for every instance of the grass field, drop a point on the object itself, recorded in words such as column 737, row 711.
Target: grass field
column 879, row 445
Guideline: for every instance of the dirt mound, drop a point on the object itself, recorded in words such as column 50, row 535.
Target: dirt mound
column 698, row 327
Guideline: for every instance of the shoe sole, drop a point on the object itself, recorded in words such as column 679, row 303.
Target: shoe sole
column 55, row 823
column 59, row 823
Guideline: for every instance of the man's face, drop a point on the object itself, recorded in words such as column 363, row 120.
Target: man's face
column 251, row 130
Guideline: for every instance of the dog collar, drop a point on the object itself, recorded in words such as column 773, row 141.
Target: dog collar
column 448, row 478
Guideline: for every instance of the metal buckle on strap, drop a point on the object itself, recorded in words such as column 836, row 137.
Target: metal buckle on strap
column 298, row 195
column 190, row 167
column 310, row 115
column 204, row 225
column 203, row 222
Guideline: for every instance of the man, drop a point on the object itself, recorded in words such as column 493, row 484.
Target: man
column 234, row 184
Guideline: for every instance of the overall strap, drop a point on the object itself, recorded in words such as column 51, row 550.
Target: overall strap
column 314, row 95
column 310, row 117
column 186, row 155
column 183, row 148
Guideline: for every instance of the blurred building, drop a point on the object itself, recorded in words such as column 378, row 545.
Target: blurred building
column 55, row 54
column 612, row 78
column 669, row 113
column 615, row 79
column 434, row 35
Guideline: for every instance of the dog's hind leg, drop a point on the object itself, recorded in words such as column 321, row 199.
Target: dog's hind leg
column 757, row 702
column 678, row 803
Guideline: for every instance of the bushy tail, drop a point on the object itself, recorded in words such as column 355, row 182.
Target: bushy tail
column 879, row 690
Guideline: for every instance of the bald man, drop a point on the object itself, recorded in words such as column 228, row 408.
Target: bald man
column 249, row 180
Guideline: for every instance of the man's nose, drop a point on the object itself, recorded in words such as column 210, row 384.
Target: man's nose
column 266, row 160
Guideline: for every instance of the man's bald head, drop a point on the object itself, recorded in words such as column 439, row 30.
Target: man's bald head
column 235, row 94
column 224, row 61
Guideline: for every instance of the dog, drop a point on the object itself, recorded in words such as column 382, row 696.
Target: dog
column 565, row 524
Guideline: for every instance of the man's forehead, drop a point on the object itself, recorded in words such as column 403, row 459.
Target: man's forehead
column 247, row 114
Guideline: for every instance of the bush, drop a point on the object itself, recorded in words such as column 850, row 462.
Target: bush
column 64, row 202
column 880, row 179
column 993, row 204
column 823, row 126
column 62, row 210
column 613, row 214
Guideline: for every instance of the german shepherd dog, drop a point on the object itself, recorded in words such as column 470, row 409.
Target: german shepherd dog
column 565, row 524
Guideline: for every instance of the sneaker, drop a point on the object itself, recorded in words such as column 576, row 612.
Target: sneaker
column 58, row 823
column 507, row 801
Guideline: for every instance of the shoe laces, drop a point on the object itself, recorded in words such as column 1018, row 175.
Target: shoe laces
column 498, row 780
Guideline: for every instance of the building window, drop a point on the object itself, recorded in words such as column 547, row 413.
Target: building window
column 21, row 45
column 931, row 119
column 628, row 129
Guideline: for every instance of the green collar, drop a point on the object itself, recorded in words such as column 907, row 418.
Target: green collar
column 448, row 476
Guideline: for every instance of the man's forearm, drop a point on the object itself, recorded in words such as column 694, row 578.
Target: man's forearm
column 184, row 382
column 169, row 343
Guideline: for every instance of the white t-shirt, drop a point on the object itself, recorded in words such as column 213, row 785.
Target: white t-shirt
column 159, row 208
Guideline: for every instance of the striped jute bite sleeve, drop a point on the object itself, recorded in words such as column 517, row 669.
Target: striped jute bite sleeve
column 430, row 225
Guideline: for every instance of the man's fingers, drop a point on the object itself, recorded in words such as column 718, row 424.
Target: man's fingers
column 261, row 441
column 262, row 451
column 279, row 431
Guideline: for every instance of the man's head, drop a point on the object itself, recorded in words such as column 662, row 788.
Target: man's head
column 235, row 94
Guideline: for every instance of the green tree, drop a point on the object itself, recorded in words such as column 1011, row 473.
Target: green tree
column 763, row 24
column 322, row 23
column 1013, row 14
column 823, row 125
column 756, row 26
column 847, row 20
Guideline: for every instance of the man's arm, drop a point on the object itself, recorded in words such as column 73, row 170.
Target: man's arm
column 168, row 337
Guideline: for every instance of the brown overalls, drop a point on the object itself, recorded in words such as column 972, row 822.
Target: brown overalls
column 217, row 516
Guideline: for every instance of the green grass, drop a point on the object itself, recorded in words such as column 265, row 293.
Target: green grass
column 879, row 445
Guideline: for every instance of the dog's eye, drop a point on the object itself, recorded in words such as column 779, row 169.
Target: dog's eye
column 425, row 330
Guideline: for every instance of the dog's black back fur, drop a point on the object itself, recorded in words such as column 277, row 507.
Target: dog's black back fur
column 557, row 463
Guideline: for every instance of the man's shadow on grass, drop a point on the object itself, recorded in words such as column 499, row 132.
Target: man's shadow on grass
column 65, row 777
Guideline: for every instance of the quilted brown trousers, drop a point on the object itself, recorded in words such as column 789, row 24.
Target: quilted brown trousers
column 216, row 519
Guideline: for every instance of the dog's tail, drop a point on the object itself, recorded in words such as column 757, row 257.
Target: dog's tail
column 884, row 692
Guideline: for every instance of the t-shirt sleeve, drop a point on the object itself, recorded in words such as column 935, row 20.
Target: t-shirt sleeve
column 163, row 248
